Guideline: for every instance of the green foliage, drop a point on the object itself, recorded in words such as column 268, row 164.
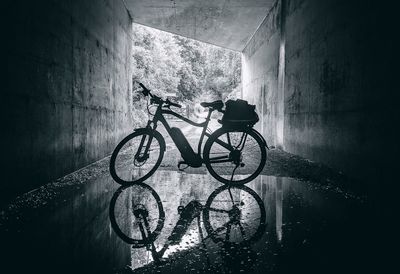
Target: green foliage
column 156, row 60
column 192, row 70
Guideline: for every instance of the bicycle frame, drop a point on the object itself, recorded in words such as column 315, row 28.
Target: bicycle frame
column 159, row 117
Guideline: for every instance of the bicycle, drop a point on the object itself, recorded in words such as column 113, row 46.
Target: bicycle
column 232, row 155
column 232, row 215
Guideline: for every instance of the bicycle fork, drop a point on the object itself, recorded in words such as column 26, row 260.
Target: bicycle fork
column 144, row 228
column 139, row 156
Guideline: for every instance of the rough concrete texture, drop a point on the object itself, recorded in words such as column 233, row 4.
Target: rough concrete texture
column 225, row 23
column 334, row 84
column 68, row 93
column 259, row 74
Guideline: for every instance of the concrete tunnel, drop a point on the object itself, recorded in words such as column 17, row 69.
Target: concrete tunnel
column 319, row 73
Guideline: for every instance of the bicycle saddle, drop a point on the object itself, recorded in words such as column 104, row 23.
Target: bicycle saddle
column 216, row 104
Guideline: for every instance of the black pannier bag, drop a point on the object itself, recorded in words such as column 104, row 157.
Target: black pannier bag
column 239, row 113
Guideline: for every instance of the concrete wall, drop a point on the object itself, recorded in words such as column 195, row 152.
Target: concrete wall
column 329, row 64
column 68, row 92
column 260, row 67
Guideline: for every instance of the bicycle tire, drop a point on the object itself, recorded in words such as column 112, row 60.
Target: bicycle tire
column 136, row 243
column 155, row 135
column 213, row 232
column 210, row 142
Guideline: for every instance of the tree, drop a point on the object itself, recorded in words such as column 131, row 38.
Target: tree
column 169, row 63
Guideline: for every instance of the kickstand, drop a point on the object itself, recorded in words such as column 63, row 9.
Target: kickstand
column 182, row 163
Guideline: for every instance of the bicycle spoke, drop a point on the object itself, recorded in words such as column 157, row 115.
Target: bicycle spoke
column 230, row 194
column 242, row 231
column 142, row 231
column 218, row 210
column 253, row 219
column 233, row 172
column 146, row 223
column 228, row 231
column 219, row 158
column 229, row 139
column 220, row 161
column 241, row 140
column 244, row 141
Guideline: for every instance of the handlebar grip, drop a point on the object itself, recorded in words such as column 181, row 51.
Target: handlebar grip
column 176, row 105
column 173, row 104
column 145, row 91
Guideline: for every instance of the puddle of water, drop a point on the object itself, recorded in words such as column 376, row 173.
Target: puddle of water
column 304, row 222
column 307, row 228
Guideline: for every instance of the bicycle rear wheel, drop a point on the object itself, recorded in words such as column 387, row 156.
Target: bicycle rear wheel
column 235, row 156
column 234, row 215
column 136, row 214
column 137, row 156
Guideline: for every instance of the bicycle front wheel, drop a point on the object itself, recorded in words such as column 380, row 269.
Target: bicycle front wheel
column 136, row 214
column 137, row 157
column 234, row 156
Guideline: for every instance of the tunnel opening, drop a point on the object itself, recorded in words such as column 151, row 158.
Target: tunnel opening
column 181, row 69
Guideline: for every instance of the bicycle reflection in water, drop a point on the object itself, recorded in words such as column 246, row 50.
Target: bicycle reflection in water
column 233, row 217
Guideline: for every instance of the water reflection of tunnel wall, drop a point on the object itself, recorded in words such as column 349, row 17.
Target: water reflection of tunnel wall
column 270, row 191
column 72, row 232
column 102, row 249
column 285, row 200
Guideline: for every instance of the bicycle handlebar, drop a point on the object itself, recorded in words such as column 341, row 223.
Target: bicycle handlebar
column 173, row 104
column 145, row 90
column 156, row 99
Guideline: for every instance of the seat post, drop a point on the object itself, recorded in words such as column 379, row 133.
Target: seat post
column 210, row 110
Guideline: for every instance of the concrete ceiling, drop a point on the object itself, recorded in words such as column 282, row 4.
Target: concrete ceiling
column 225, row 23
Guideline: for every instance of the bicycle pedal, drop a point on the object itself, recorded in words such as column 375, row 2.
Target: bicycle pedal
column 182, row 163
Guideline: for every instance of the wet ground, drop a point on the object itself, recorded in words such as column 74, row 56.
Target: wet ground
column 297, row 217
